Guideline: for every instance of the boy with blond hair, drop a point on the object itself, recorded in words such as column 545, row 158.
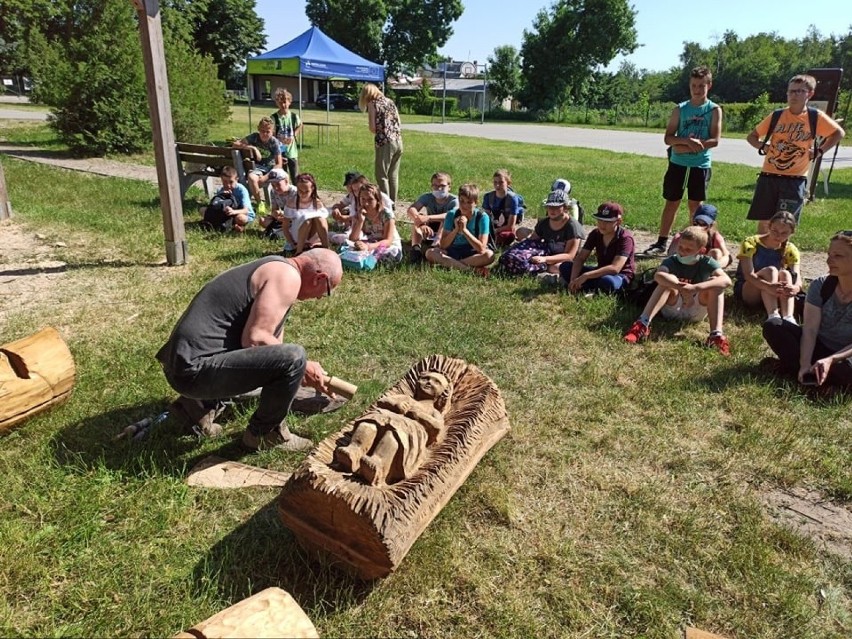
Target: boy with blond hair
column 266, row 153
column 689, row 285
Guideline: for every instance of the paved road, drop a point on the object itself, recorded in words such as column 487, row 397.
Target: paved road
column 17, row 114
column 651, row 144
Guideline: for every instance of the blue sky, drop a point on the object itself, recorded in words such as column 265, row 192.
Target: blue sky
column 482, row 27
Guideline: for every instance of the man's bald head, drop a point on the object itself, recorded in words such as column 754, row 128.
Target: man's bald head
column 320, row 261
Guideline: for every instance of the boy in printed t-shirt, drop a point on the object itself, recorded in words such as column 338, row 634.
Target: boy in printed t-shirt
column 427, row 224
column 782, row 181
column 689, row 285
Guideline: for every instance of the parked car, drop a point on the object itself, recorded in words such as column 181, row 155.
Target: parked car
column 336, row 101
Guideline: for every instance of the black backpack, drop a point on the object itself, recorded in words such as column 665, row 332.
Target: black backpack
column 813, row 115
column 215, row 217
column 825, row 294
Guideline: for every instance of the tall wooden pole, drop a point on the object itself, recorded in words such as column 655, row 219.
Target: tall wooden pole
column 159, row 104
column 5, row 204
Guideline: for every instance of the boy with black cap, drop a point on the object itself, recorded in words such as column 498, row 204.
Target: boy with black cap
column 614, row 248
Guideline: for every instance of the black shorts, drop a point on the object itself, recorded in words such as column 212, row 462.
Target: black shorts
column 774, row 193
column 676, row 179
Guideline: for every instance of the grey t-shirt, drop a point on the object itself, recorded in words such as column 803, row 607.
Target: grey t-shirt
column 835, row 327
column 433, row 207
column 214, row 321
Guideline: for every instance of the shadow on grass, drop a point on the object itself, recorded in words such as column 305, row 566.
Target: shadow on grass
column 167, row 450
column 261, row 553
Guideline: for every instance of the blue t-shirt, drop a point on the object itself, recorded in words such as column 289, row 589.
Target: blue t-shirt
column 694, row 123
column 479, row 224
column 242, row 200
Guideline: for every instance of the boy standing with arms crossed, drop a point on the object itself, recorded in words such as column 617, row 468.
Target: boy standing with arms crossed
column 694, row 128
column 788, row 153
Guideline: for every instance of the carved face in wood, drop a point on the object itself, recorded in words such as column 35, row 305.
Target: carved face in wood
column 431, row 385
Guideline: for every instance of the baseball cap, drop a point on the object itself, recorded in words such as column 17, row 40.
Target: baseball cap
column 706, row 214
column 276, row 175
column 557, row 197
column 561, row 184
column 609, row 212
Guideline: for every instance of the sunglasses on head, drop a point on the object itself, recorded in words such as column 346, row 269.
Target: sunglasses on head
column 844, row 233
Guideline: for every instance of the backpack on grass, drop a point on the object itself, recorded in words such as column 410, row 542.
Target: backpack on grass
column 215, row 217
column 641, row 287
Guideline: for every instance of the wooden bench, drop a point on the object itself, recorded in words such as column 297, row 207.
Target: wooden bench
column 201, row 162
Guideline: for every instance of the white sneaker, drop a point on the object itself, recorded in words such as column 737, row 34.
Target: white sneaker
column 791, row 320
column 774, row 318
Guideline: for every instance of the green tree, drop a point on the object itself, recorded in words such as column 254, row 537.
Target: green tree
column 228, row 31
column 93, row 79
column 504, row 72
column 568, row 43
column 398, row 33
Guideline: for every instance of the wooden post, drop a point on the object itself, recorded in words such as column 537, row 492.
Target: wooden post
column 5, row 204
column 159, row 105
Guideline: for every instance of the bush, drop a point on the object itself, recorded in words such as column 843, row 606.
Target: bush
column 95, row 83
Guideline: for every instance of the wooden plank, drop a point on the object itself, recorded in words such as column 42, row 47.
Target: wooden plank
column 269, row 613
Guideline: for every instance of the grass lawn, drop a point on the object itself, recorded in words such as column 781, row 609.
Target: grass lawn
column 625, row 502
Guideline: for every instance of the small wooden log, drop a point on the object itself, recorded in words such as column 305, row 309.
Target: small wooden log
column 215, row 472
column 695, row 633
column 370, row 526
column 269, row 613
column 36, row 373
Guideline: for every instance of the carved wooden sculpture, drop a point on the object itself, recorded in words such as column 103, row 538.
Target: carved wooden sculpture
column 36, row 372
column 269, row 613
column 366, row 493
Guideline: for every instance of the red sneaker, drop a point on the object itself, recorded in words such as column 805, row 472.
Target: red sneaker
column 720, row 343
column 637, row 333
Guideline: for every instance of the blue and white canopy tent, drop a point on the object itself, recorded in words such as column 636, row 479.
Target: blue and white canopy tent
column 313, row 55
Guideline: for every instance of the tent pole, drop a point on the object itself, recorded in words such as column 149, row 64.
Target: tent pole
column 327, row 102
column 302, row 130
column 248, row 94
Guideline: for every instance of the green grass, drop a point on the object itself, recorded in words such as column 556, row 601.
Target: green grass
column 623, row 503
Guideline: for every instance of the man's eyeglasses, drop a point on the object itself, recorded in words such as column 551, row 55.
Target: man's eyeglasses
column 844, row 233
column 328, row 286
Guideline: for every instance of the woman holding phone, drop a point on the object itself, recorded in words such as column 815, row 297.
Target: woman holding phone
column 820, row 351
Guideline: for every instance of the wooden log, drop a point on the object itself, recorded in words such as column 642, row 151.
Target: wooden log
column 695, row 633
column 215, row 472
column 369, row 523
column 269, row 613
column 36, row 373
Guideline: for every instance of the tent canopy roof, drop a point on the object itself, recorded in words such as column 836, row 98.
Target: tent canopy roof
column 314, row 55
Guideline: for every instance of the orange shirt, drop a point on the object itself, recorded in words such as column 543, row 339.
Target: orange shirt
column 787, row 151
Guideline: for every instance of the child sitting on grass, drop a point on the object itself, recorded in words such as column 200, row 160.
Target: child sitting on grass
column 716, row 247
column 504, row 207
column 346, row 210
column 308, row 216
column 768, row 270
column 428, row 212
column 689, row 285
column 375, row 223
column 614, row 248
column 555, row 239
column 230, row 208
column 279, row 193
column 464, row 238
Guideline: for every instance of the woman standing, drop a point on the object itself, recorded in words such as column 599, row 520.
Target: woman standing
column 385, row 124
